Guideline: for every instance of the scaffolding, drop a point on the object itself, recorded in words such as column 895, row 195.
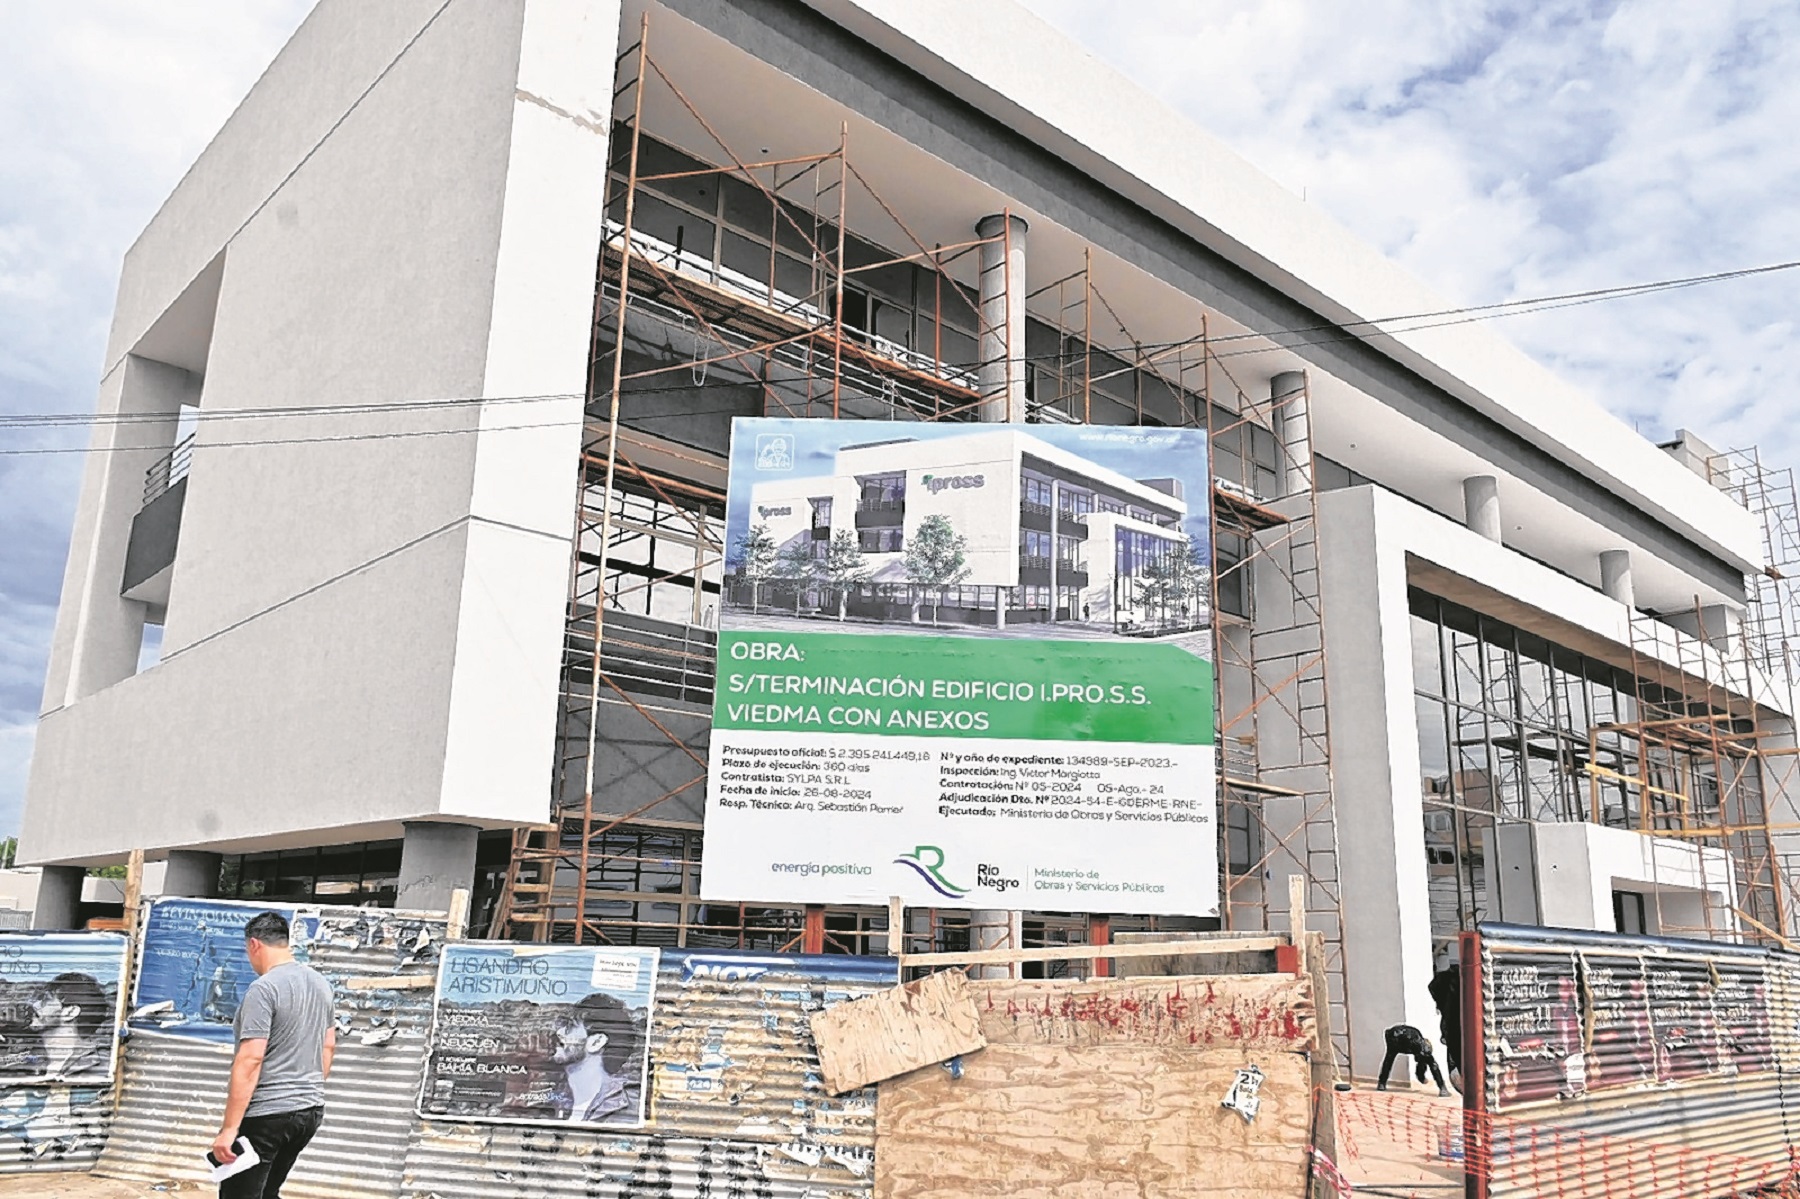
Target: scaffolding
column 1699, row 764
column 1772, row 614
column 1698, row 768
column 1276, row 797
column 671, row 319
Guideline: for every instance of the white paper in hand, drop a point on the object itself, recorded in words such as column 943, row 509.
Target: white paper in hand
column 246, row 1159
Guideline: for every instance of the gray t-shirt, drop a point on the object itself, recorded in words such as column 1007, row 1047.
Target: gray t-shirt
column 291, row 1007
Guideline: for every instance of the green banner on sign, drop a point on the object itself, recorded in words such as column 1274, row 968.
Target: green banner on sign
column 915, row 684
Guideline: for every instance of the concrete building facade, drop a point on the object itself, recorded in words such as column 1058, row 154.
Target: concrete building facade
column 315, row 626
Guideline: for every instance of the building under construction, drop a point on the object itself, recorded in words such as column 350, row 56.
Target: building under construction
column 400, row 554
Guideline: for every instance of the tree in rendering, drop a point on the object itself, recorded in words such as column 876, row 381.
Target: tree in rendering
column 756, row 559
column 1175, row 581
column 845, row 566
column 797, row 566
column 936, row 556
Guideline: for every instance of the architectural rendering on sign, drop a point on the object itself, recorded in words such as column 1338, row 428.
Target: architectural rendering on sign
column 973, row 530
column 417, row 553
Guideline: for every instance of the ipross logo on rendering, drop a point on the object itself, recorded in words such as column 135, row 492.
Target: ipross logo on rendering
column 937, row 483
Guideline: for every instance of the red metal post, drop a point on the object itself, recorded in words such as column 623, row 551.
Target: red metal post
column 1477, row 1150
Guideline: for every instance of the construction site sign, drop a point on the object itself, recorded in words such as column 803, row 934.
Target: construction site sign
column 540, row 1035
column 59, row 1006
column 970, row 665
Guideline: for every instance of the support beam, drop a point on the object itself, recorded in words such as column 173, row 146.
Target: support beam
column 1099, row 934
column 993, row 931
column 1287, row 395
column 436, row 860
column 58, row 898
column 1481, row 505
column 191, row 873
column 1615, row 577
column 1001, row 372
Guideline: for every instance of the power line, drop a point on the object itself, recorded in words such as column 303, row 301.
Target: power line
column 1350, row 331
column 1522, row 307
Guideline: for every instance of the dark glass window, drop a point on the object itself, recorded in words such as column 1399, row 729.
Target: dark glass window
column 360, row 874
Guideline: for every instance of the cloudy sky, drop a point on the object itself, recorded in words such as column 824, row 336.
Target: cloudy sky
column 1498, row 150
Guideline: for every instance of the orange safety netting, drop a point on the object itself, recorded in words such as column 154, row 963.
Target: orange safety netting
column 1395, row 1144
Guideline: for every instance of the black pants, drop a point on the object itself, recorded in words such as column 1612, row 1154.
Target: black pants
column 1402, row 1039
column 278, row 1140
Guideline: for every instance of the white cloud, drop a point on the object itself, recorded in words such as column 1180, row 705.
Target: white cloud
column 103, row 104
column 1505, row 150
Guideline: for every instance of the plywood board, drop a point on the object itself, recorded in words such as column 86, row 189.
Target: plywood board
column 1094, row 1122
column 881, row 1036
column 1255, row 1013
column 1213, row 953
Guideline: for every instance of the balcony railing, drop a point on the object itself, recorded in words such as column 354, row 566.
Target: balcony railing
column 169, row 470
column 702, row 267
column 642, row 655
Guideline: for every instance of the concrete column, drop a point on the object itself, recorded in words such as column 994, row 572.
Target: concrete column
column 191, row 873
column 1287, row 392
column 58, row 898
column 1375, row 771
column 1615, row 576
column 1481, row 505
column 1001, row 374
column 435, row 859
column 993, row 928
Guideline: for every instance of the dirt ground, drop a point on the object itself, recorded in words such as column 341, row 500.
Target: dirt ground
column 85, row 1186
column 1394, row 1144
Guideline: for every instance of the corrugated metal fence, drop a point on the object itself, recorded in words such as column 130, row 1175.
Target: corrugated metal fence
column 737, row 1106
column 1632, row 1065
column 174, row 1089
column 736, row 1102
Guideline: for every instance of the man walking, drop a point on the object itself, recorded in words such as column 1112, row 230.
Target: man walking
column 285, row 1040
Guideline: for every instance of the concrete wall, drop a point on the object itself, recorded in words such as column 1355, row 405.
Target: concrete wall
column 1581, row 865
column 1373, row 544
column 361, row 631
column 1375, row 772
